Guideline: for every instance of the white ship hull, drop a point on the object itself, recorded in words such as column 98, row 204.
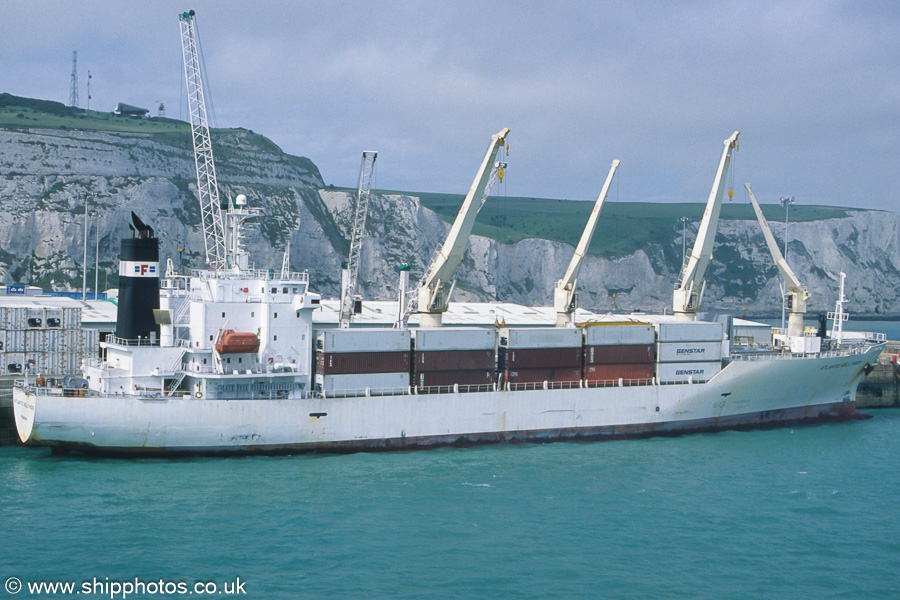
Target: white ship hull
column 745, row 394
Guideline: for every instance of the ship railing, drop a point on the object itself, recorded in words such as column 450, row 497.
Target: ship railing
column 267, row 274
column 112, row 339
column 846, row 350
column 455, row 389
column 359, row 392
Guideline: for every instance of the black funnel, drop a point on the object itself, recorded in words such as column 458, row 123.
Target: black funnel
column 138, row 285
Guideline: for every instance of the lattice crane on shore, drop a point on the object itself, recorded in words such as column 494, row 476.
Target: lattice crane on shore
column 350, row 274
column 689, row 290
column 438, row 283
column 565, row 298
column 207, row 186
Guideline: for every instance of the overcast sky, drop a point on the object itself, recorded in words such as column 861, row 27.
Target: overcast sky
column 814, row 88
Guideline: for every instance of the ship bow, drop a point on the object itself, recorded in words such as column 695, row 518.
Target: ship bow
column 23, row 411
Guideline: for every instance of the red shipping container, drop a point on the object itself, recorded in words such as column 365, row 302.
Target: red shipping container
column 348, row 363
column 541, row 375
column 616, row 372
column 619, row 355
column 454, row 360
column 543, row 358
column 443, row 378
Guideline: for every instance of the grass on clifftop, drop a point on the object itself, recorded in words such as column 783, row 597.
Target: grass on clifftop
column 623, row 228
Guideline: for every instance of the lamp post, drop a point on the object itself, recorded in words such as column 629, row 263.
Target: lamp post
column 786, row 202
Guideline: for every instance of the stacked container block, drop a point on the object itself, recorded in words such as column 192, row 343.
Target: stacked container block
column 689, row 351
column 619, row 351
column 533, row 356
column 357, row 362
column 43, row 341
column 463, row 357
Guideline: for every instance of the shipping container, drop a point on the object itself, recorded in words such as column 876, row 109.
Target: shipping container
column 90, row 341
column 53, row 317
column 560, row 374
column 427, row 379
column 363, row 340
column 344, row 363
column 697, row 371
column 14, row 340
column 357, row 384
column 34, row 340
column 690, row 331
column 16, row 317
column 455, row 338
column 35, row 318
column 627, row 372
column 71, row 318
column 617, row 355
column 619, row 334
column 543, row 337
column 55, row 364
column 70, row 341
column 689, row 351
column 454, row 360
column 14, row 363
column 537, row 358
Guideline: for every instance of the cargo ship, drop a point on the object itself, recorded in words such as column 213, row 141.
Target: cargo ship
column 230, row 361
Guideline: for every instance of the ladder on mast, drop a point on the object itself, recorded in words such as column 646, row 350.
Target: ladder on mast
column 207, row 186
column 351, row 283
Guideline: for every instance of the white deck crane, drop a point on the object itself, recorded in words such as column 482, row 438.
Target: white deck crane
column 436, row 287
column 689, row 290
column 207, row 186
column 350, row 275
column 797, row 295
column 565, row 298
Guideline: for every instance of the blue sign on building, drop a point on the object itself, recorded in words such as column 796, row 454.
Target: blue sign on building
column 15, row 290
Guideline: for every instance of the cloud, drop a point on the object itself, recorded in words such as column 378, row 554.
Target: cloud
column 811, row 85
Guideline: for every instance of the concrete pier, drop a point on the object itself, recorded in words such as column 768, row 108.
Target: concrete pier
column 881, row 387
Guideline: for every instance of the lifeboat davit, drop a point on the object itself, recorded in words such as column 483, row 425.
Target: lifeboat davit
column 237, row 342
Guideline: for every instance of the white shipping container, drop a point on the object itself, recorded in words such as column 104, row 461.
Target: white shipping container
column 696, row 371
column 35, row 362
column 363, row 340
column 34, row 318
column 69, row 341
column 53, row 340
column 543, row 337
column 805, row 344
column 619, row 335
column 54, row 364
column 688, row 351
column 34, row 340
column 90, row 341
column 14, row 363
column 356, row 384
column 71, row 318
column 4, row 312
column 431, row 339
column 16, row 317
column 14, row 340
column 690, row 332
column 53, row 317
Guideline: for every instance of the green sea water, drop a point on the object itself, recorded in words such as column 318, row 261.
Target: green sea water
column 802, row 512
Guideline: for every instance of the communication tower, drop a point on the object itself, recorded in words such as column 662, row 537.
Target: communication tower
column 73, row 93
